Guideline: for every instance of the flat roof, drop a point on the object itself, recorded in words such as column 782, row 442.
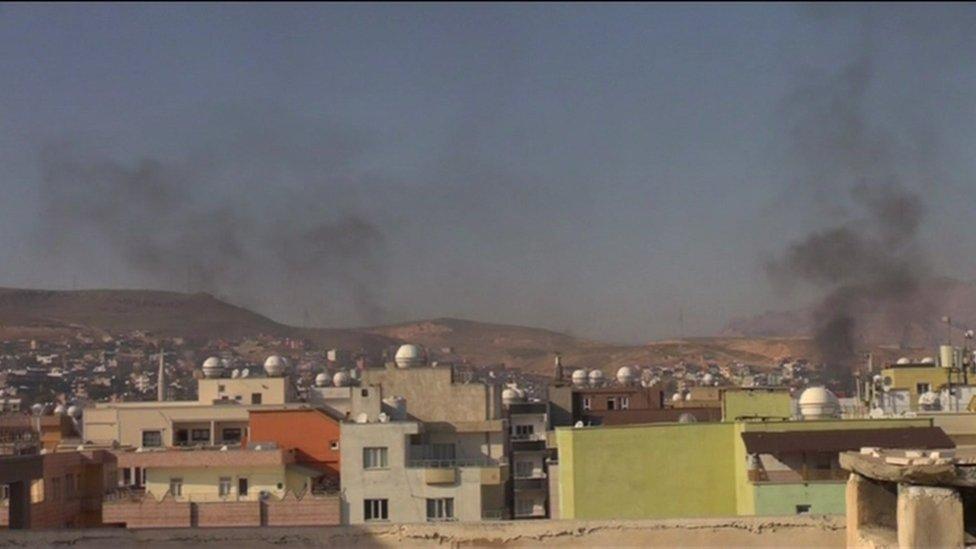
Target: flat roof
column 840, row 440
column 205, row 458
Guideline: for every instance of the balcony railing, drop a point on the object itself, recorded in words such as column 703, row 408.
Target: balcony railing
column 449, row 463
column 528, row 436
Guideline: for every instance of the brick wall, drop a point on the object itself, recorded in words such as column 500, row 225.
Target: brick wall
column 228, row 513
column 147, row 513
column 308, row 511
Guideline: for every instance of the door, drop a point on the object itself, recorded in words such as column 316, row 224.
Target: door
column 241, row 487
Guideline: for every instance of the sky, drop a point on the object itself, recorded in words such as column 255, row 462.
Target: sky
column 619, row 172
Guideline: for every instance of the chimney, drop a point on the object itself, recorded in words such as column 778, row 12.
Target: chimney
column 161, row 378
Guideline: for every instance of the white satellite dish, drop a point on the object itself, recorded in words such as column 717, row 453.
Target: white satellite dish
column 578, row 424
column 383, row 417
column 362, row 417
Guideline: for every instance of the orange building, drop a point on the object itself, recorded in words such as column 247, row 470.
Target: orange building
column 312, row 432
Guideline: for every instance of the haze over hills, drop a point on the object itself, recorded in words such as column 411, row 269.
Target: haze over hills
column 46, row 313
column 915, row 322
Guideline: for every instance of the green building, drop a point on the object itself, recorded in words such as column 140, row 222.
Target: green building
column 767, row 466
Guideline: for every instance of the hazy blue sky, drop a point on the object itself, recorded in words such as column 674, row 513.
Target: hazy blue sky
column 591, row 168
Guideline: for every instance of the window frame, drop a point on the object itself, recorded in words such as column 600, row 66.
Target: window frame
column 440, row 509
column 176, row 487
column 158, row 432
column 376, row 458
column 376, row 506
column 587, row 403
column 225, row 487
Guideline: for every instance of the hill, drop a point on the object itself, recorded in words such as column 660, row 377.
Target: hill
column 46, row 313
column 915, row 322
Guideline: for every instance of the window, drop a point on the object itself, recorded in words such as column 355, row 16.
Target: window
column 334, row 445
column 181, row 437
column 242, row 487
column 364, row 392
column 612, row 403
column 524, row 430
column 524, row 507
column 440, row 509
column 176, row 487
column 231, row 434
column 69, row 485
column 523, row 469
column 375, row 509
column 586, row 403
column 220, row 388
column 200, row 435
column 152, row 439
column 255, row 398
column 374, row 458
column 624, row 403
column 803, row 509
column 224, row 488
column 922, row 388
column 4, row 492
column 37, row 490
column 280, row 486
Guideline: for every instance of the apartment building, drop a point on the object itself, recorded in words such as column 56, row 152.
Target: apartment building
column 528, row 424
column 57, row 490
column 392, row 473
column 745, row 467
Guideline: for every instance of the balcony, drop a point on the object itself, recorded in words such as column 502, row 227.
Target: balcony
column 452, row 463
column 527, row 484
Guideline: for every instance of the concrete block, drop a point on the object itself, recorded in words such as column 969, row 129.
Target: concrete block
column 871, row 508
column 869, row 450
column 914, row 453
column 898, row 460
column 929, row 516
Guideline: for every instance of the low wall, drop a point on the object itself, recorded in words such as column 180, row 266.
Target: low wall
column 289, row 511
column 807, row 531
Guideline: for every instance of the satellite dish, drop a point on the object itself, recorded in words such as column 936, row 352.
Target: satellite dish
column 383, row 417
column 362, row 417
column 245, row 372
column 578, row 424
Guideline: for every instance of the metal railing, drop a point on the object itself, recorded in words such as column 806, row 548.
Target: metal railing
column 451, row 463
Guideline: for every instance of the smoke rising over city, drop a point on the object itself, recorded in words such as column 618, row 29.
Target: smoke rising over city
column 614, row 173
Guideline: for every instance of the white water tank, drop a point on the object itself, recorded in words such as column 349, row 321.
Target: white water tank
column 512, row 395
column 322, row 380
column 213, row 367
column 819, row 403
column 275, row 366
column 579, row 377
column 596, row 378
column 340, row 379
column 625, row 376
column 409, row 356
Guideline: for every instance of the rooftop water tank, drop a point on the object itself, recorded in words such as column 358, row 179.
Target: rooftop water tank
column 322, row 380
column 579, row 377
column 625, row 376
column 340, row 379
column 213, row 367
column 275, row 366
column 596, row 377
column 409, row 356
column 818, row 403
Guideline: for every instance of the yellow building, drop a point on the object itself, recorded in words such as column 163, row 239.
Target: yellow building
column 672, row 470
column 917, row 379
column 215, row 475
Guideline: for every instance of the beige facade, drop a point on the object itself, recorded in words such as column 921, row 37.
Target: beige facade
column 406, row 485
column 433, row 396
column 249, row 390
column 164, row 424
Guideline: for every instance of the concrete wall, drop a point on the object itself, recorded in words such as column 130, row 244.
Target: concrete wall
column 650, row 471
column 288, row 511
column 723, row 533
column 433, row 397
column 908, row 378
column 311, row 433
column 273, row 390
column 824, row 498
column 756, row 402
column 202, row 483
